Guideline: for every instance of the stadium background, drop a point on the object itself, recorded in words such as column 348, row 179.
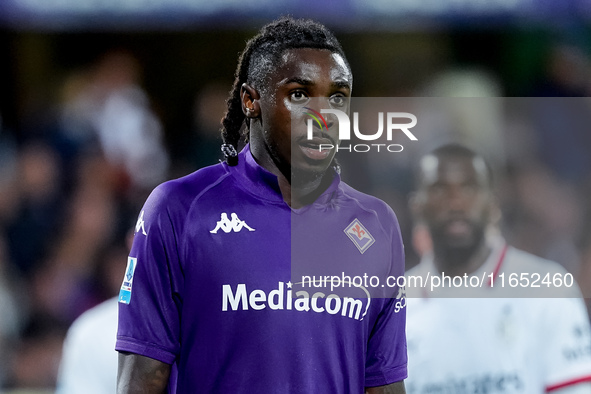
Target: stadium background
column 100, row 101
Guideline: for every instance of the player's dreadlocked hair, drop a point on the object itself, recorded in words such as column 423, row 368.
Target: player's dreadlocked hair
column 260, row 57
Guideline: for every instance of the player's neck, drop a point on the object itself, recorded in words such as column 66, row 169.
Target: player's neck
column 460, row 261
column 297, row 196
column 304, row 191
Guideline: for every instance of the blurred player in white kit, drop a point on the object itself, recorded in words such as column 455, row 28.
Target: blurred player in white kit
column 491, row 338
column 89, row 359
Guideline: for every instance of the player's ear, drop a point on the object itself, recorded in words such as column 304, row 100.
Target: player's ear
column 416, row 204
column 250, row 101
column 422, row 242
column 421, row 238
column 494, row 211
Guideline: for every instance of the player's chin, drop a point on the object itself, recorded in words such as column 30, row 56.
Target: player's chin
column 454, row 239
column 463, row 241
column 467, row 243
column 305, row 171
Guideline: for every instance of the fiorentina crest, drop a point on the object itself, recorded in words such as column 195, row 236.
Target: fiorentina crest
column 359, row 235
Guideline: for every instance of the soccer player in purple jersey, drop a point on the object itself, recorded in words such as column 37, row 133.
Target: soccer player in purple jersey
column 207, row 303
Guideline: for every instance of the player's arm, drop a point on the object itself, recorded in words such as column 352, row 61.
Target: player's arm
column 140, row 374
column 386, row 349
column 394, row 388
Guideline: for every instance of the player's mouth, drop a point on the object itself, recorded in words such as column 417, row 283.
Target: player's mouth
column 318, row 148
column 458, row 227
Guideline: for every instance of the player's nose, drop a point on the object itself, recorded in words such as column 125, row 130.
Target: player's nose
column 456, row 199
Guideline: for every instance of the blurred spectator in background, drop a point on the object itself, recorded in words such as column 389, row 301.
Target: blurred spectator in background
column 89, row 359
column 567, row 72
column 9, row 311
column 67, row 196
column 107, row 104
column 11, row 307
column 40, row 202
column 547, row 216
column 548, row 173
column 209, row 109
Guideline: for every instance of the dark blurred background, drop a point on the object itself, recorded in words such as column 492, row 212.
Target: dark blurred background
column 102, row 100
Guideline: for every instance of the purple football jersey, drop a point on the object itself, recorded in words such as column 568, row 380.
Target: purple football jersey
column 214, row 286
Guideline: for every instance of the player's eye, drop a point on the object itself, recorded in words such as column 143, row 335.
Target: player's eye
column 338, row 100
column 436, row 191
column 470, row 189
column 298, row 97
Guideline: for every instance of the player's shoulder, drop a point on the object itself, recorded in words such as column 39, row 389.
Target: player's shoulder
column 552, row 278
column 181, row 192
column 374, row 207
column 367, row 202
column 195, row 183
column 415, row 278
column 417, row 270
column 518, row 260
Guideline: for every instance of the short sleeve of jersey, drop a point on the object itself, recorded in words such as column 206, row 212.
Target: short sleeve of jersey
column 386, row 361
column 568, row 353
column 149, row 301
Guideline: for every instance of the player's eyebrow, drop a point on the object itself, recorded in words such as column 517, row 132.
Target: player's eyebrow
column 341, row 84
column 301, row 81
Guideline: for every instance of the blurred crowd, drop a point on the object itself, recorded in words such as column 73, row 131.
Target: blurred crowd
column 71, row 186
column 70, row 190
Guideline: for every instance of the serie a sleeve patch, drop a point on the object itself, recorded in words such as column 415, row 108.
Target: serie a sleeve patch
column 125, row 292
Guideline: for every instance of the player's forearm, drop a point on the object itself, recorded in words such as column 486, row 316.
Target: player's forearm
column 139, row 374
column 394, row 388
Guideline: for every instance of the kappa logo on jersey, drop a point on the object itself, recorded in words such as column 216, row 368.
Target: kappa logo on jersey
column 125, row 292
column 227, row 225
column 140, row 224
column 359, row 235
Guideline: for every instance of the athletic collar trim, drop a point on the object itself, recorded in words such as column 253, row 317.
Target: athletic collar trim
column 258, row 180
column 568, row 383
column 499, row 264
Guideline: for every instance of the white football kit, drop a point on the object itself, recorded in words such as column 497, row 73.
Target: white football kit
column 89, row 359
column 492, row 339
